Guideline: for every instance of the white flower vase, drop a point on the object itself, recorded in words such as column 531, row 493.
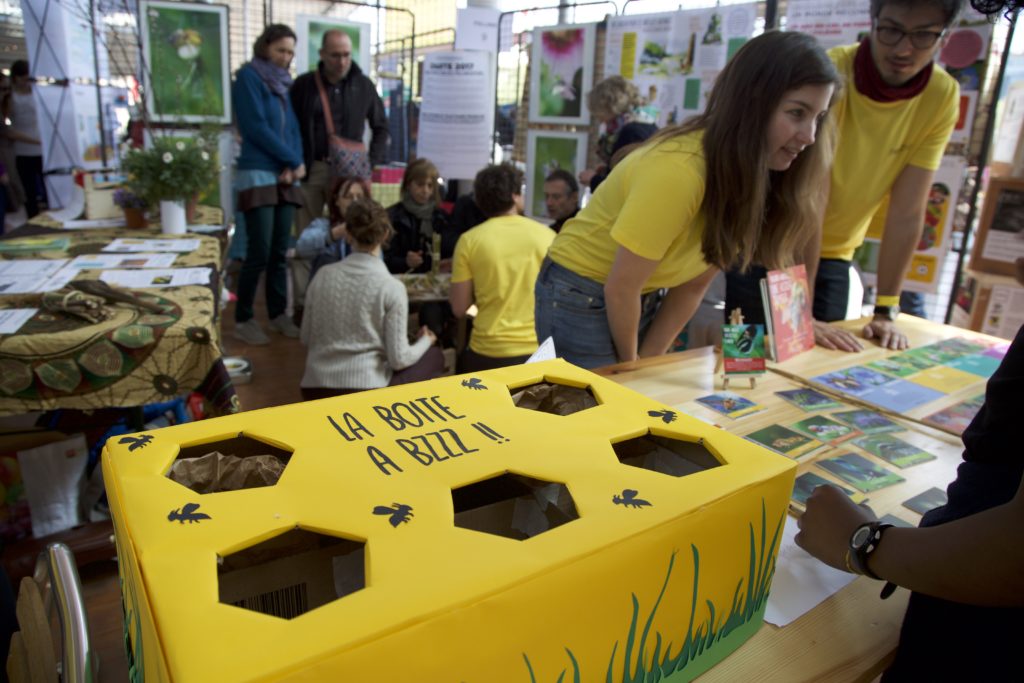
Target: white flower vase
column 172, row 217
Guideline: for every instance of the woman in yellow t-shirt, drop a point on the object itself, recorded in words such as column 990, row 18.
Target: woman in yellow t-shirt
column 731, row 186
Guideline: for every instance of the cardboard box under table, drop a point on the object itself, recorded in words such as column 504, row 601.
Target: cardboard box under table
column 438, row 532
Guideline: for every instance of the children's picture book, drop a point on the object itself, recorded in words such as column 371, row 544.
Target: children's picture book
column 785, row 441
column 980, row 364
column 730, row 404
column 926, row 501
column 808, row 399
column 855, row 381
column 900, row 395
column 955, row 418
column 825, row 429
column 860, row 473
column 788, row 306
column 743, row 349
column 893, row 450
column 895, row 366
column 867, row 421
column 808, row 481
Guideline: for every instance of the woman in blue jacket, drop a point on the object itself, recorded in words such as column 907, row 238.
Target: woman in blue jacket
column 269, row 169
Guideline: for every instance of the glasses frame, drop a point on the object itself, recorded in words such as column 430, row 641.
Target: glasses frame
column 931, row 38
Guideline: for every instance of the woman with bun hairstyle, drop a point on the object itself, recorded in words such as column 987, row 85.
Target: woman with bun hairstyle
column 355, row 323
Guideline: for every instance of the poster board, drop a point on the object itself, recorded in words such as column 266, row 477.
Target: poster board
column 185, row 48
column 310, row 29
column 674, row 57
column 1000, row 239
column 546, row 151
column 561, row 73
column 832, row 22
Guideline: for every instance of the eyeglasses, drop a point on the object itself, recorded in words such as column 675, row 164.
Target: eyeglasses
column 921, row 40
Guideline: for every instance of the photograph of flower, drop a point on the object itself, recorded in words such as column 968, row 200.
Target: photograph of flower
column 310, row 29
column 561, row 73
column 545, row 152
column 185, row 46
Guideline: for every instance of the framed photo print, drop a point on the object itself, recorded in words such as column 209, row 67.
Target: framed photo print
column 1000, row 239
column 185, row 47
column 546, row 151
column 561, row 73
column 310, row 29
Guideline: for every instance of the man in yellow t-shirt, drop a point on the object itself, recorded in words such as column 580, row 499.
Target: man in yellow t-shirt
column 495, row 266
column 894, row 119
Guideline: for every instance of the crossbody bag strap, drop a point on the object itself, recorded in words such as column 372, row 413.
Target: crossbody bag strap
column 328, row 117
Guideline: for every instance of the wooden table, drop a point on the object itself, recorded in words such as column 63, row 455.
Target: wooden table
column 851, row 636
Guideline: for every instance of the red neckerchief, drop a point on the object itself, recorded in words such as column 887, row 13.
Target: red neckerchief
column 870, row 84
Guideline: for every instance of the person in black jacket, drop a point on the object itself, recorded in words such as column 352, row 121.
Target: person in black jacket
column 354, row 103
column 416, row 218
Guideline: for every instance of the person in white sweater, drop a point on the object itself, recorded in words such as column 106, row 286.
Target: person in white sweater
column 355, row 322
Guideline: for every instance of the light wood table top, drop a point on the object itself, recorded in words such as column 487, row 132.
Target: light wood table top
column 851, row 636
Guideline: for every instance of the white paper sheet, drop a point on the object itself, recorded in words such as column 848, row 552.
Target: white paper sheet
column 132, row 246
column 11, row 319
column 801, row 581
column 86, row 224
column 108, row 261
column 157, row 277
column 546, row 351
column 74, row 207
column 35, row 268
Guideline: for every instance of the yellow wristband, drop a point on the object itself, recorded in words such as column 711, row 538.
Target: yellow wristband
column 887, row 300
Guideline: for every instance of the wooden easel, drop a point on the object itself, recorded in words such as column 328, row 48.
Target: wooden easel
column 735, row 318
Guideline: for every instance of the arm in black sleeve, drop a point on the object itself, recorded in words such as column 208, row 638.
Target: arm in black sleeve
column 378, row 121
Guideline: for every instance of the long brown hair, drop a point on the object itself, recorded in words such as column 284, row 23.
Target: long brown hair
column 753, row 215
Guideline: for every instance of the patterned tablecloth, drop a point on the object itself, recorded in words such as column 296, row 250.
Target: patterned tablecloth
column 136, row 357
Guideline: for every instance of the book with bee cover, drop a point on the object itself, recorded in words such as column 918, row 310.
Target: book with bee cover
column 743, row 349
column 788, row 306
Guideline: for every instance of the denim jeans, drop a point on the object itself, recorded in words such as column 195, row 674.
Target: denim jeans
column 268, row 229
column 570, row 308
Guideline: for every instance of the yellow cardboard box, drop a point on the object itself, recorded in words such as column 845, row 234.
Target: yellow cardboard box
column 469, row 539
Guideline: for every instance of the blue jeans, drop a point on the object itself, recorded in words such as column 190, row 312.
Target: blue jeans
column 268, row 229
column 570, row 308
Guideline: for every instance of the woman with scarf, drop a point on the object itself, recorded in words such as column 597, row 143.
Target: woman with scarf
column 268, row 171
column 416, row 219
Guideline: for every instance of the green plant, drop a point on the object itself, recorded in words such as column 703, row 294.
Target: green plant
column 173, row 168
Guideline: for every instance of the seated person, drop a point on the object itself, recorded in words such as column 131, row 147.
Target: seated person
column 625, row 121
column 416, row 218
column 355, row 325
column 323, row 240
column 495, row 266
column 561, row 197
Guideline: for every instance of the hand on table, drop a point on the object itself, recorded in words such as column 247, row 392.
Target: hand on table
column 828, row 523
column 885, row 332
column 835, row 338
column 428, row 333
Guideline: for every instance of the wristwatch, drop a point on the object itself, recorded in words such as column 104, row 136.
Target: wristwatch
column 863, row 542
column 888, row 312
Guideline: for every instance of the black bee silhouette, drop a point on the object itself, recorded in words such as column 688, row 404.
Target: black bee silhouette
column 136, row 441
column 629, row 499
column 187, row 513
column 399, row 513
column 665, row 415
column 474, row 383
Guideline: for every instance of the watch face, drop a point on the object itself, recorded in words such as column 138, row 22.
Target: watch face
column 860, row 536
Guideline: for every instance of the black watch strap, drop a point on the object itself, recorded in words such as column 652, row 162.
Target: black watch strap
column 863, row 543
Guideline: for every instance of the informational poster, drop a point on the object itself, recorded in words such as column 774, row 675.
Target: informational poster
column 60, row 39
column 965, row 57
column 1005, row 313
column 936, row 234
column 832, row 22
column 548, row 151
column 69, row 125
column 476, row 28
column 310, row 29
column 674, row 57
column 457, row 113
column 55, row 112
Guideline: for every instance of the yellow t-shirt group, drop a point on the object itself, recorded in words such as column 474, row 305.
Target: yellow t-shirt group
column 502, row 256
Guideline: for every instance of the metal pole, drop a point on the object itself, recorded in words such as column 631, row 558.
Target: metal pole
column 99, row 88
column 986, row 143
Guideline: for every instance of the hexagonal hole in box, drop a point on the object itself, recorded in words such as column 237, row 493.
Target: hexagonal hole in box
column 554, row 397
column 674, row 457
column 513, row 505
column 292, row 573
column 232, row 464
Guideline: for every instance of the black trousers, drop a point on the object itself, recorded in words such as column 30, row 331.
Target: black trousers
column 30, row 170
column 831, row 292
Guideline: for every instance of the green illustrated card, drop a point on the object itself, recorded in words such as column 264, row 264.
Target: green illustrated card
column 896, row 366
column 895, row 451
column 808, row 399
column 926, row 501
column 860, row 472
column 729, row 404
column 743, row 349
column 822, row 428
column 808, row 481
column 785, row 441
column 867, row 421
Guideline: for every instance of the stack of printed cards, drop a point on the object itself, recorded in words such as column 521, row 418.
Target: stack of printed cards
column 785, row 441
column 730, row 404
column 860, row 472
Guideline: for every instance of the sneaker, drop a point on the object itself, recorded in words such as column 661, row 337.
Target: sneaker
column 285, row 326
column 250, row 332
